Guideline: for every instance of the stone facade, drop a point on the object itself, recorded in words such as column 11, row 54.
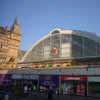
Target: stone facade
column 9, row 45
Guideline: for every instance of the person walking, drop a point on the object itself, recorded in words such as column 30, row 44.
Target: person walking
column 50, row 93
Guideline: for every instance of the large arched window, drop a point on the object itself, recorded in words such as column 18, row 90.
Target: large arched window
column 56, row 31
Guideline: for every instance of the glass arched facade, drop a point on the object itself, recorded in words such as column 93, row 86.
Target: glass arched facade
column 58, row 45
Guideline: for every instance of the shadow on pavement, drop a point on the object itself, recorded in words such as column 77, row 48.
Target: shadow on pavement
column 55, row 97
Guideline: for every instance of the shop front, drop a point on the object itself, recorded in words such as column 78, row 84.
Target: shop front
column 5, row 82
column 73, row 85
column 25, row 83
column 94, row 86
column 46, row 81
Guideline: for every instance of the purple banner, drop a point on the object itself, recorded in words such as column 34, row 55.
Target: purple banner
column 5, row 79
column 47, row 80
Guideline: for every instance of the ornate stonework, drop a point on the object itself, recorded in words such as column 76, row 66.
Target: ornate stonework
column 9, row 45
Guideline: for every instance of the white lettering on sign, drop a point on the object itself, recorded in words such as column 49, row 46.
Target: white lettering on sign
column 15, row 76
column 72, row 78
column 24, row 76
column 30, row 77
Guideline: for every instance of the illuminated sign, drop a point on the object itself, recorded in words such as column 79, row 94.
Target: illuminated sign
column 73, row 77
column 54, row 51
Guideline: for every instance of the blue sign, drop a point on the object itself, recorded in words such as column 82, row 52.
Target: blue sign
column 47, row 80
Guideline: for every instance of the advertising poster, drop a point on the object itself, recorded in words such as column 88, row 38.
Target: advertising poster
column 46, row 81
column 5, row 79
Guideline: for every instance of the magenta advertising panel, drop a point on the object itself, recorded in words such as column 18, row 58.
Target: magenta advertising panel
column 5, row 79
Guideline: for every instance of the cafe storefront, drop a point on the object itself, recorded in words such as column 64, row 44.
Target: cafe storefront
column 25, row 83
column 73, row 85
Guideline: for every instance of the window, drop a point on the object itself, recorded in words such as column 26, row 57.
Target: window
column 66, row 38
column 56, row 31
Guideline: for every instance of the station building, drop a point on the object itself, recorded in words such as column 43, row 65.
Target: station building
column 72, row 56
column 64, row 48
column 67, row 60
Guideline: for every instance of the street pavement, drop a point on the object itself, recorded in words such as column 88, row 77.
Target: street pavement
column 55, row 97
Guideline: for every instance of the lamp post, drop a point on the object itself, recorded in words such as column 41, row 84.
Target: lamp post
column 87, row 80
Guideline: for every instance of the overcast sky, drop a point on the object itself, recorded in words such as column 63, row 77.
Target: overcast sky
column 38, row 17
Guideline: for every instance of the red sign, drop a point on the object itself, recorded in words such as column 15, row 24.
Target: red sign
column 73, row 77
column 54, row 51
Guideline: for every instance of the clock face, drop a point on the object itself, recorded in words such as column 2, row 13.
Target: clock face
column 54, row 51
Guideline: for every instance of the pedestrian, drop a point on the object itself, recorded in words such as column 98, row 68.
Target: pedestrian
column 6, row 97
column 50, row 93
column 25, row 89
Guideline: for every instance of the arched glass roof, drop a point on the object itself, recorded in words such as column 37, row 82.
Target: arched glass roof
column 62, row 43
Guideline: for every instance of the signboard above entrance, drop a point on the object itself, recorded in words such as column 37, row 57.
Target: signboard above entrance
column 73, row 77
column 25, row 76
